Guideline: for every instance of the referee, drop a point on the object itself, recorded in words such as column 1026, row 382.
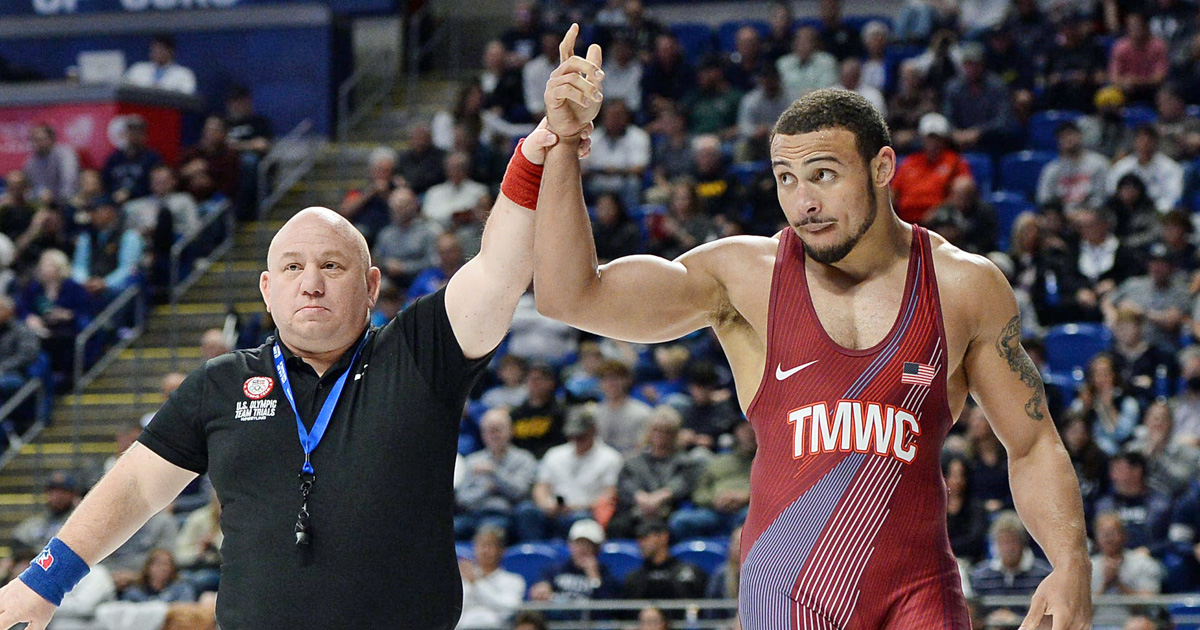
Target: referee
column 332, row 446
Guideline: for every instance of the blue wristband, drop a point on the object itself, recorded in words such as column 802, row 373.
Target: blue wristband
column 55, row 571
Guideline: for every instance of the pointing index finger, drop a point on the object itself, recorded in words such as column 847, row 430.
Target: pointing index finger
column 567, row 48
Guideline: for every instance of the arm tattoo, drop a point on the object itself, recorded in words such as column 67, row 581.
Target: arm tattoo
column 1008, row 344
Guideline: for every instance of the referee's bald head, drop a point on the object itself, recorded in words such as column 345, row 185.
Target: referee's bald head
column 318, row 216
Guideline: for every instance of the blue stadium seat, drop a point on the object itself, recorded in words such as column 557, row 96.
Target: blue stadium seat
column 1019, row 171
column 1070, row 346
column 696, row 39
column 1193, row 110
column 702, row 553
column 747, row 172
column 1185, row 616
column 1008, row 205
column 622, row 557
column 531, row 560
column 464, row 550
column 1043, row 125
column 727, row 32
column 1135, row 115
column 981, row 170
column 1065, row 384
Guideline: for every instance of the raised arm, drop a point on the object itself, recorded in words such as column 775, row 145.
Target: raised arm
column 637, row 298
column 138, row 487
column 1006, row 383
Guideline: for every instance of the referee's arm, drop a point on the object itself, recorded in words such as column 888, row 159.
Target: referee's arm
column 482, row 296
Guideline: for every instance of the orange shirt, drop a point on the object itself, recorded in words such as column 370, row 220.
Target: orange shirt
column 921, row 185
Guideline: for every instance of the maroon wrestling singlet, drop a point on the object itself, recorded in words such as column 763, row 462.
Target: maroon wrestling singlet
column 847, row 521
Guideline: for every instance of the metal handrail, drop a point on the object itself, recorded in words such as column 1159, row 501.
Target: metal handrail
column 103, row 321
column 34, row 387
column 177, row 286
column 418, row 52
column 286, row 147
column 350, row 110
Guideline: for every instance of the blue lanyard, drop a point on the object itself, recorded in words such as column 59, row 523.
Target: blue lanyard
column 309, row 441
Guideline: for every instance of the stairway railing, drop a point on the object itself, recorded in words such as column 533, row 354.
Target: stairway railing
column 178, row 285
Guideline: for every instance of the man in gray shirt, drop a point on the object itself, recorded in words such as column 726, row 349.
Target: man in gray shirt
column 495, row 479
column 1077, row 176
column 621, row 419
column 654, row 482
column 408, row 245
column 758, row 112
column 1161, row 294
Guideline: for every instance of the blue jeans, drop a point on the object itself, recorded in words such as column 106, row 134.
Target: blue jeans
column 533, row 524
column 696, row 522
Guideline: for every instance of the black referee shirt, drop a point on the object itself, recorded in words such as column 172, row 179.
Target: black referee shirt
column 382, row 506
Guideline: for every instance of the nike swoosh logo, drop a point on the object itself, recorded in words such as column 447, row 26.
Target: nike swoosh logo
column 781, row 374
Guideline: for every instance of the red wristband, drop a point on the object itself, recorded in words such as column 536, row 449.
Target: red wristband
column 522, row 180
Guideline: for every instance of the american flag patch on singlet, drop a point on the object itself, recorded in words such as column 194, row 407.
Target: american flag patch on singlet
column 917, row 374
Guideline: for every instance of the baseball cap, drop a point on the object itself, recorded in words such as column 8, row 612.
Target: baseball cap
column 587, row 529
column 933, row 124
column 579, row 422
column 62, row 481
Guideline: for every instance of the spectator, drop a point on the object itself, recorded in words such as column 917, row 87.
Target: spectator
column 511, row 391
column 129, row 561
column 1089, row 461
column 672, row 152
column 851, row 79
column 367, row 207
column 671, row 360
column 127, row 170
column 78, row 608
column 490, row 594
column 421, row 166
column 215, row 153
column 1044, row 271
column 780, row 30
column 620, row 155
column 470, row 233
column 16, row 208
column 1144, row 512
column 723, row 492
column 719, row 191
column 56, row 309
column 1187, row 403
column 213, row 343
column 923, row 179
column 19, row 348
column 966, row 220
column 745, row 63
column 623, row 74
column 710, row 412
column 1140, row 365
column 642, row 30
column 655, row 481
column 581, row 577
column 1112, row 412
column 724, row 581
column 248, row 132
column 989, row 464
column 529, row 620
column 914, row 98
column 457, row 194
column 1161, row 294
column 975, row 17
column 538, row 422
column 1162, row 175
column 468, row 111
column 1176, row 230
column 166, row 210
column 90, row 189
column 47, row 230
column 536, row 73
column 1033, row 31
column 1076, row 178
column 161, row 71
column 1117, row 570
column 1139, row 61
column 711, row 105
column 52, row 169
column 667, row 76
column 877, row 69
column 160, row 581
column 806, row 68
column 495, row 479
column 503, row 92
column 524, row 38
column 107, row 253
column 450, row 259
column 1075, row 66
column 1186, row 70
column 942, row 60
column 1171, row 21
column 62, row 495
column 575, row 481
column 1170, row 466
column 198, row 547
column 977, row 103
column 662, row 576
column 537, row 337
column 966, row 520
column 1104, row 261
column 621, row 420
column 916, row 21
column 652, row 618
column 408, row 245
column 837, row 38
column 1140, row 622
column 1106, row 132
column 1013, row 570
column 1178, row 132
column 615, row 233
column 686, row 224
column 1013, row 66
column 582, row 379
column 1137, row 219
column 757, row 113
column 388, row 305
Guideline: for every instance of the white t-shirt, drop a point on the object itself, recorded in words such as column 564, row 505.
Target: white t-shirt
column 580, row 480
column 491, row 600
column 172, row 77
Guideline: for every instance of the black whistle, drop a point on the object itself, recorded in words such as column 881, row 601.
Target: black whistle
column 303, row 535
